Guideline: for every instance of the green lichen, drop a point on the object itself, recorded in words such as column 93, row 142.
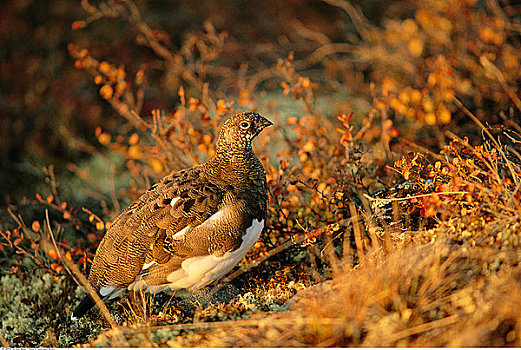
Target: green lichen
column 34, row 306
column 22, row 301
column 273, row 296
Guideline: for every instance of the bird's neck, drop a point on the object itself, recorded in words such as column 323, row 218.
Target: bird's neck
column 232, row 166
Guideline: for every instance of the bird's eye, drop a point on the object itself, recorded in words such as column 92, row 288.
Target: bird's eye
column 245, row 125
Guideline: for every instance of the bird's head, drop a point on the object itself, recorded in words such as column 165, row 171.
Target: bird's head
column 238, row 132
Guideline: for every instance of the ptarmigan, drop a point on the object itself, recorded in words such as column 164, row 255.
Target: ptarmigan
column 190, row 228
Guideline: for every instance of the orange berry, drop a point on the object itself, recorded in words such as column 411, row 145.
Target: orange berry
column 104, row 138
column 106, row 91
column 156, row 165
column 133, row 139
column 105, row 67
column 134, row 152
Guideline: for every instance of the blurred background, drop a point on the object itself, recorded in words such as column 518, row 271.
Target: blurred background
column 49, row 109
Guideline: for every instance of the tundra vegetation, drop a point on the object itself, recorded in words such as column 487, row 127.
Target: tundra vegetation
column 393, row 167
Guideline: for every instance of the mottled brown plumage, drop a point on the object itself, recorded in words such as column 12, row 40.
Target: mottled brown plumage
column 192, row 219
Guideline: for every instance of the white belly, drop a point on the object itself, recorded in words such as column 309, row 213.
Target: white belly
column 197, row 272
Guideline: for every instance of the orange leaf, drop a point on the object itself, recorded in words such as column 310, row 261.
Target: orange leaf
column 35, row 226
column 38, row 197
column 78, row 25
column 66, row 215
column 63, row 205
column 91, row 217
column 68, row 255
column 100, row 225
column 50, row 199
column 52, row 253
column 308, row 147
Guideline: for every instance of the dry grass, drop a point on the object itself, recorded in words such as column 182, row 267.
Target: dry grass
column 440, row 294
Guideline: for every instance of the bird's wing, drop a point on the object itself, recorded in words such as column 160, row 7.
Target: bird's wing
column 196, row 256
column 168, row 211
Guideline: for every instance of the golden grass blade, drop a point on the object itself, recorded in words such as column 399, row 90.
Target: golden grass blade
column 356, row 230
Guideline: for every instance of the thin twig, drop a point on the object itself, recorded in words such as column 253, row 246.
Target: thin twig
column 389, row 200
column 494, row 71
column 91, row 213
column 357, row 18
column 240, row 323
column 498, row 146
column 73, row 268
column 20, row 222
column 56, row 246
column 92, row 292
column 444, row 322
column 423, row 149
column 3, row 341
column 346, row 249
column 310, row 34
column 331, row 255
column 329, row 49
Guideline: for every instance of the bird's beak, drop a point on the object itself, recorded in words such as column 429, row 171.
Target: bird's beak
column 264, row 123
